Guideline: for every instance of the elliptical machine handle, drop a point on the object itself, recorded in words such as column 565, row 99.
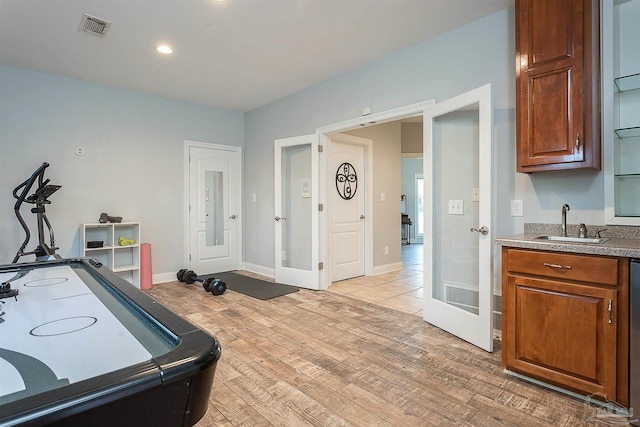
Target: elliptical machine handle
column 38, row 174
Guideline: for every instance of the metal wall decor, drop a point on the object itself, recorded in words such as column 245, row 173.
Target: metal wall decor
column 346, row 181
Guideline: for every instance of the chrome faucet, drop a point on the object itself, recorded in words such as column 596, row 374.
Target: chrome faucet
column 565, row 208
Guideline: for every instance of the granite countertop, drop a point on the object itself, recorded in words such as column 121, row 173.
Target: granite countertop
column 624, row 241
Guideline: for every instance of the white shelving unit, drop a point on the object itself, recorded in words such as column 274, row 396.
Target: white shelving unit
column 122, row 260
column 621, row 111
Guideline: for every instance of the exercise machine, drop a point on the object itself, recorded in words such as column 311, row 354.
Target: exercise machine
column 211, row 284
column 39, row 198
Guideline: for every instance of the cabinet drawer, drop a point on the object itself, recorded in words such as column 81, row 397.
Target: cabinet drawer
column 584, row 268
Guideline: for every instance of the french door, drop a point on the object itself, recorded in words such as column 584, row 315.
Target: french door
column 296, row 218
column 458, row 243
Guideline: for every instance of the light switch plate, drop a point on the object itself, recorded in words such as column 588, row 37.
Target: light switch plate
column 517, row 208
column 456, row 207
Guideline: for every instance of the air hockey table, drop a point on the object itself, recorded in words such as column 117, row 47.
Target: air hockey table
column 80, row 346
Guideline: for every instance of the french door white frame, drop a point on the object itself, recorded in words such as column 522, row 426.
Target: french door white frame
column 289, row 275
column 476, row 329
column 239, row 221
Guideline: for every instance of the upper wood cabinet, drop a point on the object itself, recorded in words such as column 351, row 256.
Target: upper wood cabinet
column 557, row 85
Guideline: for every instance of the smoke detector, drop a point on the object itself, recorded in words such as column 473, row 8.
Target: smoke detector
column 92, row 25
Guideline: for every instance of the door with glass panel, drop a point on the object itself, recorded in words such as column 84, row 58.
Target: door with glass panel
column 296, row 211
column 458, row 295
column 214, row 208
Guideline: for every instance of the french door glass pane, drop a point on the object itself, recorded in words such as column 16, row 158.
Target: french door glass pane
column 456, row 174
column 296, row 207
column 214, row 209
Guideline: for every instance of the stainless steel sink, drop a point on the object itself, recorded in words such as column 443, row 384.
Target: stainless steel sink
column 574, row 239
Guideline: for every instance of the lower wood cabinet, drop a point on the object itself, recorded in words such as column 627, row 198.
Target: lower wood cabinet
column 565, row 320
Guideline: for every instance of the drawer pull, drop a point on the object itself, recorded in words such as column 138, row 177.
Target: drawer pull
column 610, row 310
column 546, row 264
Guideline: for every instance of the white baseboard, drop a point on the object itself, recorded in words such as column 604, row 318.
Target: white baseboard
column 259, row 269
column 164, row 277
column 387, row 268
column 271, row 273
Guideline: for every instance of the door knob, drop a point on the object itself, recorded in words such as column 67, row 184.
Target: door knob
column 233, row 217
column 277, row 218
column 482, row 230
column 361, row 216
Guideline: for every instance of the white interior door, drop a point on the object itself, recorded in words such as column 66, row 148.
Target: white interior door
column 214, row 208
column 347, row 206
column 296, row 211
column 458, row 296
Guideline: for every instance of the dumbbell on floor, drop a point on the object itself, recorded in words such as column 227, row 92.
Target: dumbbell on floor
column 211, row 284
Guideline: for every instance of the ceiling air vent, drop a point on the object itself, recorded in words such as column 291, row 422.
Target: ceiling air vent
column 92, row 25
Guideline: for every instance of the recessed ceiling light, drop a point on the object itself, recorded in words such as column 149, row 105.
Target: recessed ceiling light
column 164, row 49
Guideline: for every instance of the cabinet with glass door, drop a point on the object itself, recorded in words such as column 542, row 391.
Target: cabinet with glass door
column 621, row 110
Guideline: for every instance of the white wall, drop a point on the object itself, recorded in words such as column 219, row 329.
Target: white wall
column 133, row 166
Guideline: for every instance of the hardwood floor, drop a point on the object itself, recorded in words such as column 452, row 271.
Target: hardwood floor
column 318, row 358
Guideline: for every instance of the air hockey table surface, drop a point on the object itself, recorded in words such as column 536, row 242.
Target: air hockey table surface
column 79, row 345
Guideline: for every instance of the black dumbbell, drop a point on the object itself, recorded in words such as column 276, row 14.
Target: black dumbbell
column 212, row 284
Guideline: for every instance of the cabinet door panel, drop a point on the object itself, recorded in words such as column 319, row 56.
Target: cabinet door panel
column 550, row 31
column 551, row 122
column 560, row 332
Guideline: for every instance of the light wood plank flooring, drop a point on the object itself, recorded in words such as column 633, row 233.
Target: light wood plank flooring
column 319, row 358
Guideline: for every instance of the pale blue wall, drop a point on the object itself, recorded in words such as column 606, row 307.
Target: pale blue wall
column 134, row 142
column 479, row 53
column 133, row 166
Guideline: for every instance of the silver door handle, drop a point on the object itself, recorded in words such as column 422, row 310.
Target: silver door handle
column 233, row 217
column 482, row 230
column 277, row 218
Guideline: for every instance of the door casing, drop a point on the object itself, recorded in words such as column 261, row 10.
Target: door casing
column 326, row 184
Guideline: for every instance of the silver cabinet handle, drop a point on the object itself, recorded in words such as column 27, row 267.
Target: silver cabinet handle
column 277, row 218
column 546, row 264
column 610, row 311
column 578, row 141
column 482, row 230
column 233, row 217
column 361, row 216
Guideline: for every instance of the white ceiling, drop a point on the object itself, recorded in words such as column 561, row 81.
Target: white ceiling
column 231, row 54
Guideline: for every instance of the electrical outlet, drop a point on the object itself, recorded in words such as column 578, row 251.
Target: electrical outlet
column 456, row 207
column 517, row 208
column 386, row 250
column 475, row 195
column 382, row 197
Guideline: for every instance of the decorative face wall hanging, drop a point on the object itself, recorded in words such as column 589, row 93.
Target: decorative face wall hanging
column 346, row 181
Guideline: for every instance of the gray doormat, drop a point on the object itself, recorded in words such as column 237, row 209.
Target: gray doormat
column 255, row 288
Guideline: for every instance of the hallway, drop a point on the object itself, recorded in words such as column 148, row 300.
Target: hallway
column 400, row 290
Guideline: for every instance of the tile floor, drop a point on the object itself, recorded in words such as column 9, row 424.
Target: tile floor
column 400, row 290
